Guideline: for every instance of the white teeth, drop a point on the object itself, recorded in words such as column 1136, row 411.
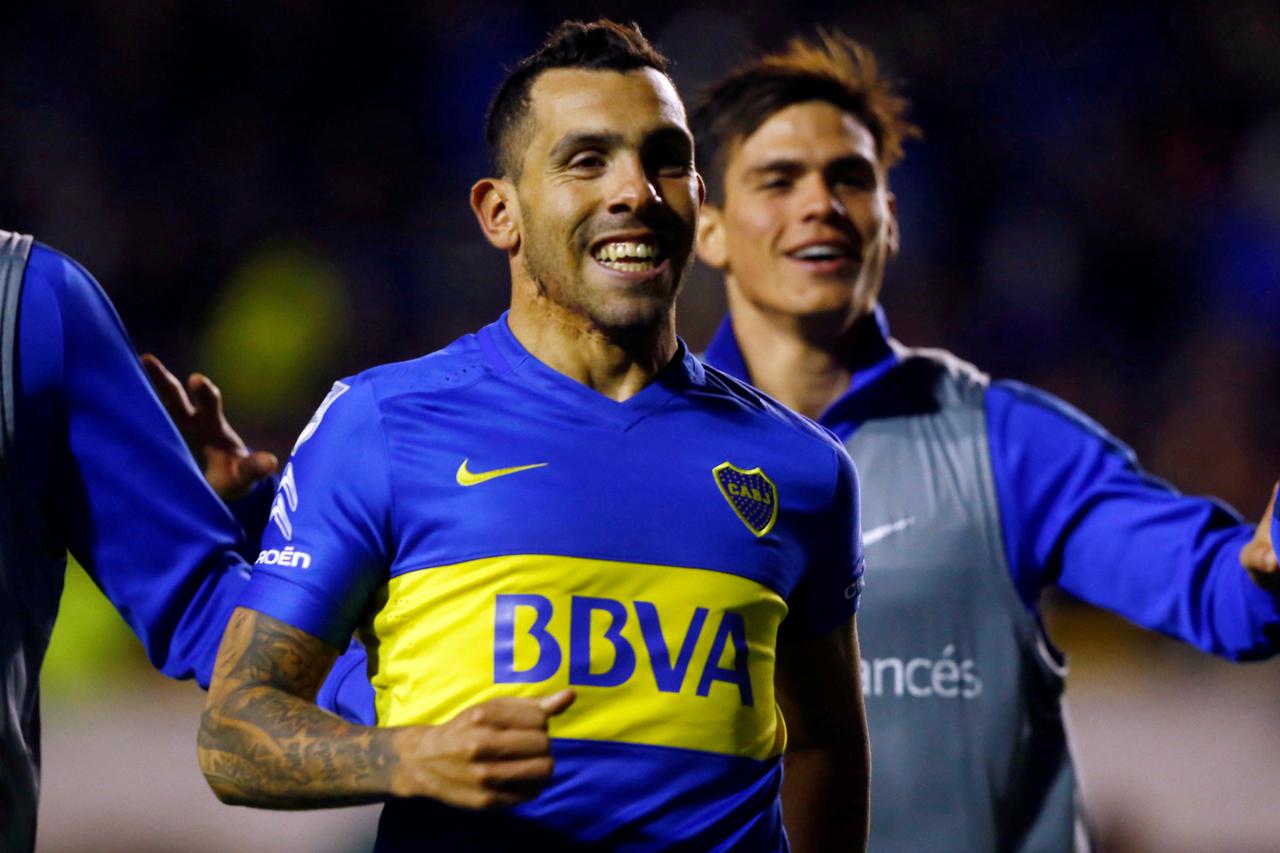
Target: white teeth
column 626, row 252
column 820, row 252
column 628, row 266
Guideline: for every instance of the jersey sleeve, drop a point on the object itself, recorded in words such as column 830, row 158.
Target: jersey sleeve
column 326, row 548
column 1078, row 511
column 829, row 592
column 118, row 485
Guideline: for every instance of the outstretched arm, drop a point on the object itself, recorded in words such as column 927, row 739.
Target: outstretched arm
column 1078, row 511
column 112, row 475
column 263, row 741
column 826, row 784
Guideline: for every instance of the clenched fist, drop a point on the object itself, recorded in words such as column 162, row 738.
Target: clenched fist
column 491, row 755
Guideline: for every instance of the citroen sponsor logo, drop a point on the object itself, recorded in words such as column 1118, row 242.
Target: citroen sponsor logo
column 286, row 502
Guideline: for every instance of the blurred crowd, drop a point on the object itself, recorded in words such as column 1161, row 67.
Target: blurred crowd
column 276, row 192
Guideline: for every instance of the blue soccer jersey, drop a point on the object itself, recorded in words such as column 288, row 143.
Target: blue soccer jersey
column 495, row 528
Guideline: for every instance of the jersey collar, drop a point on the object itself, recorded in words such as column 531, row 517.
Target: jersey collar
column 874, row 356
column 508, row 355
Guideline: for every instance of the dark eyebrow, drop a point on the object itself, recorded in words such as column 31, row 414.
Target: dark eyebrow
column 792, row 167
column 788, row 167
column 671, row 134
column 604, row 141
column 578, row 141
column 853, row 162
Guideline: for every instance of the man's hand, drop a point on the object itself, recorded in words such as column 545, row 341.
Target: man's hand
column 263, row 742
column 1259, row 556
column 491, row 755
column 197, row 410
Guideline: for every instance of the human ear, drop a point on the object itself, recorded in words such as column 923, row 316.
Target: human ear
column 493, row 201
column 892, row 236
column 711, row 249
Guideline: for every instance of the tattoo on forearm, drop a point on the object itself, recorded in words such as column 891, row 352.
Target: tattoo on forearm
column 262, row 740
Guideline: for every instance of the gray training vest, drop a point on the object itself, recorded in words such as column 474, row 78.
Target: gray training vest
column 969, row 748
column 30, row 585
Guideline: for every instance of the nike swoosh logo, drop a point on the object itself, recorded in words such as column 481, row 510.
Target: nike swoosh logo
column 875, row 534
column 474, row 478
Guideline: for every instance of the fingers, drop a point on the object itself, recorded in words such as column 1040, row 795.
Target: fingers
column 1271, row 509
column 524, row 776
column 253, row 467
column 497, row 783
column 494, row 754
column 168, row 388
column 557, row 703
column 1259, row 556
column 206, row 396
column 510, row 745
column 513, row 713
column 496, row 793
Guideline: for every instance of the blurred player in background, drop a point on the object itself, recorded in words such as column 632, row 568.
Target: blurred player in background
column 565, row 499
column 976, row 494
column 91, row 465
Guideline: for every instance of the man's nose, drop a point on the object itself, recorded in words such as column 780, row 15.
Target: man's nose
column 632, row 188
column 818, row 201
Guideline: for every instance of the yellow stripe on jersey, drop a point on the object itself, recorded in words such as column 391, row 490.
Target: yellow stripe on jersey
column 658, row 655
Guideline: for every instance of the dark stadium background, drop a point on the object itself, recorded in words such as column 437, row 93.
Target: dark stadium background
column 276, row 193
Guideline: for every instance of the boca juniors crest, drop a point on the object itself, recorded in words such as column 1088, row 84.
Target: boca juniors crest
column 751, row 494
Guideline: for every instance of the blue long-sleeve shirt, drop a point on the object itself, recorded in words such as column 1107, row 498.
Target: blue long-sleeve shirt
column 114, row 481
column 1077, row 511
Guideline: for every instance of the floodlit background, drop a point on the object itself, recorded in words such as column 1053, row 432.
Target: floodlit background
column 276, row 193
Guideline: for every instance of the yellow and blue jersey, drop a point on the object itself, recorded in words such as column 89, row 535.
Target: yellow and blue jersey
column 494, row 528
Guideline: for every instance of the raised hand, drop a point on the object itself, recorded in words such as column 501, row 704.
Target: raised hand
column 229, row 466
column 1259, row 556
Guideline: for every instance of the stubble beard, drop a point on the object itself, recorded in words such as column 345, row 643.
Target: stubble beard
column 622, row 317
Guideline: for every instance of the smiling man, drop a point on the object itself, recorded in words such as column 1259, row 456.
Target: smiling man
column 593, row 575
column 976, row 495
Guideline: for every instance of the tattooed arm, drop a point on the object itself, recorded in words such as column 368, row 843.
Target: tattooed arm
column 263, row 741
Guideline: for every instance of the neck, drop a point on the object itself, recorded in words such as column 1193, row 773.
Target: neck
column 804, row 363
column 616, row 363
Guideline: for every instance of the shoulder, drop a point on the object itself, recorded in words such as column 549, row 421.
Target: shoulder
column 66, row 319
column 358, row 401
column 1020, row 412
column 948, row 376
column 765, row 411
column 61, row 276
column 60, row 293
column 459, row 365
column 59, row 281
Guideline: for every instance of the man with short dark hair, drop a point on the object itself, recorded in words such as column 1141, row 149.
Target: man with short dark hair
column 592, row 575
column 976, row 494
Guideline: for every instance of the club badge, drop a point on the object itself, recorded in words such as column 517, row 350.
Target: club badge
column 752, row 495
